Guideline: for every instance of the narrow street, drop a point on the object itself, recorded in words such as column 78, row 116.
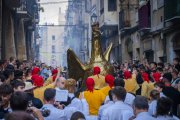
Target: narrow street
column 89, row 59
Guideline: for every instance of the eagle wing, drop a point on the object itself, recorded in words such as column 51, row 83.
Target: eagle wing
column 108, row 51
column 75, row 67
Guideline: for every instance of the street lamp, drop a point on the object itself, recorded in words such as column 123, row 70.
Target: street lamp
column 93, row 18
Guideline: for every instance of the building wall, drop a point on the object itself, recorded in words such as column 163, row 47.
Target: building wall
column 9, row 42
column 43, row 42
column 108, row 21
column 144, row 45
column 48, row 56
column 51, row 11
column 14, row 31
column 158, row 47
column 21, row 45
column 157, row 24
column 171, row 52
column 136, row 46
column 108, row 17
column 130, row 39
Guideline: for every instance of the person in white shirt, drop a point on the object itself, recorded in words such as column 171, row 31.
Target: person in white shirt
column 105, row 106
column 164, row 109
column 154, row 96
column 140, row 106
column 80, row 104
column 69, row 111
column 119, row 110
column 129, row 97
column 56, row 113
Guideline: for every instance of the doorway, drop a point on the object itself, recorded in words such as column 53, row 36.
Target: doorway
column 149, row 55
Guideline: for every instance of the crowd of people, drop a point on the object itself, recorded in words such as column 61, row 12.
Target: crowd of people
column 136, row 91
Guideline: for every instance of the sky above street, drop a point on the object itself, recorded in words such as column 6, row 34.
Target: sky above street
column 51, row 11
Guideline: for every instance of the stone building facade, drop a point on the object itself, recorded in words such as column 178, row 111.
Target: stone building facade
column 140, row 29
column 18, row 20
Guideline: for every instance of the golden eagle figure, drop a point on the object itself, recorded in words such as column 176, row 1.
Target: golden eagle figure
column 78, row 70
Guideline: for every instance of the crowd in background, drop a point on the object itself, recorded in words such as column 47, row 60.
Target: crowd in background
column 136, row 91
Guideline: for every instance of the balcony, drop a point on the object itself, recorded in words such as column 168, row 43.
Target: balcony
column 28, row 9
column 145, row 18
column 172, row 10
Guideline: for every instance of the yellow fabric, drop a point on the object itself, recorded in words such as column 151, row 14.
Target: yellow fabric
column 99, row 81
column 48, row 81
column 105, row 90
column 39, row 92
column 134, row 76
column 131, row 85
column 147, row 88
column 94, row 100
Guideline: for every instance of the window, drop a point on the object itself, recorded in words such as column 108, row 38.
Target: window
column 121, row 19
column 112, row 6
column 53, row 49
column 101, row 6
column 144, row 16
column 53, row 37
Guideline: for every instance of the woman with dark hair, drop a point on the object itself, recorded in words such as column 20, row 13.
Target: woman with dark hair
column 77, row 116
column 164, row 109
